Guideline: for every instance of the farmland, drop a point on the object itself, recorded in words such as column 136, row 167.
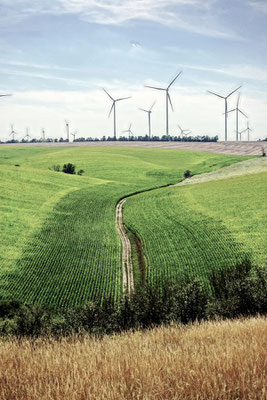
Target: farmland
column 194, row 229
column 212, row 360
column 59, row 244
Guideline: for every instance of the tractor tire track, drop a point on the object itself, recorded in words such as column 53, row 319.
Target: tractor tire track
column 127, row 265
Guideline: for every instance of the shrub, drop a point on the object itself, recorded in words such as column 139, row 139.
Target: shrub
column 187, row 174
column 68, row 168
column 56, row 168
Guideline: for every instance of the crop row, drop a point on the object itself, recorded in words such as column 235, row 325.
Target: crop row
column 76, row 255
column 192, row 230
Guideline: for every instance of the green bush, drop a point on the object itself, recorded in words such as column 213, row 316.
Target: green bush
column 68, row 168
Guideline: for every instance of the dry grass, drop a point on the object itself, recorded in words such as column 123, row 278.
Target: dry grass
column 220, row 360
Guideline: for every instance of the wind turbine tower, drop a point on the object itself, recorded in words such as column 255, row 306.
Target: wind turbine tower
column 226, row 107
column 67, row 129
column 74, row 135
column 12, row 132
column 27, row 136
column 248, row 130
column 43, row 134
column 149, row 118
column 129, row 130
column 237, row 110
column 113, row 107
column 168, row 100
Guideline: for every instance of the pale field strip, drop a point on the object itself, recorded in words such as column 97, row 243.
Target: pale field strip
column 252, row 166
column 235, row 148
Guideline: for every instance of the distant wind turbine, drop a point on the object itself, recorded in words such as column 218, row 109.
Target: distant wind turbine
column 149, row 118
column 184, row 132
column 248, row 130
column 168, row 100
column 113, row 107
column 237, row 110
column 74, row 135
column 27, row 136
column 12, row 132
column 226, row 107
column 43, row 134
column 129, row 130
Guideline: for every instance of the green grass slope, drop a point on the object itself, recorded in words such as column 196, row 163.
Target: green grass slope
column 58, row 242
column 191, row 230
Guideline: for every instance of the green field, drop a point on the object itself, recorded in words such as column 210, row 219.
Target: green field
column 194, row 229
column 58, row 241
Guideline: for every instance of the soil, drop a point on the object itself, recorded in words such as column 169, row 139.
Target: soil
column 127, row 266
column 237, row 148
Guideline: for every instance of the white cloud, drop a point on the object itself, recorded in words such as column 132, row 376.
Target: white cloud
column 190, row 15
column 248, row 72
column 35, row 66
column 259, row 5
column 69, row 81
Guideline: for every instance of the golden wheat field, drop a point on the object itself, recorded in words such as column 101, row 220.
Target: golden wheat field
column 213, row 360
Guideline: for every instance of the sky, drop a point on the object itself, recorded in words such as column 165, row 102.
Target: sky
column 58, row 55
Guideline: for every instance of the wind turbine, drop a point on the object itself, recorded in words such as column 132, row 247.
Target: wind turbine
column 129, row 130
column 248, row 129
column 67, row 129
column 27, row 134
column 12, row 132
column 43, row 134
column 113, row 107
column 4, row 95
column 74, row 135
column 168, row 100
column 226, row 107
column 149, row 118
column 184, row 132
column 237, row 110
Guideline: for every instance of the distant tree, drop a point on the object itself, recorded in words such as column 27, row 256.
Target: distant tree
column 187, row 174
column 80, row 172
column 68, row 168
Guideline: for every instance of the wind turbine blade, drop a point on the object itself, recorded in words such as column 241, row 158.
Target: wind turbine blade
column 3, row 95
column 152, row 106
column 123, row 98
column 130, row 127
column 153, row 87
column 230, row 94
column 111, row 108
column 230, row 111
column 243, row 113
column 215, row 94
column 180, row 128
column 238, row 100
column 143, row 110
column 169, row 98
column 108, row 94
column 174, row 79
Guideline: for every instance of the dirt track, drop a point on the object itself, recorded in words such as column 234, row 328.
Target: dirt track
column 238, row 148
column 127, row 266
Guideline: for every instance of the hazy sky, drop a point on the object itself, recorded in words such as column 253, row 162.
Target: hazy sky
column 56, row 55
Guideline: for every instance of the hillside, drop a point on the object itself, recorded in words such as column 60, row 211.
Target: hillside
column 59, row 244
